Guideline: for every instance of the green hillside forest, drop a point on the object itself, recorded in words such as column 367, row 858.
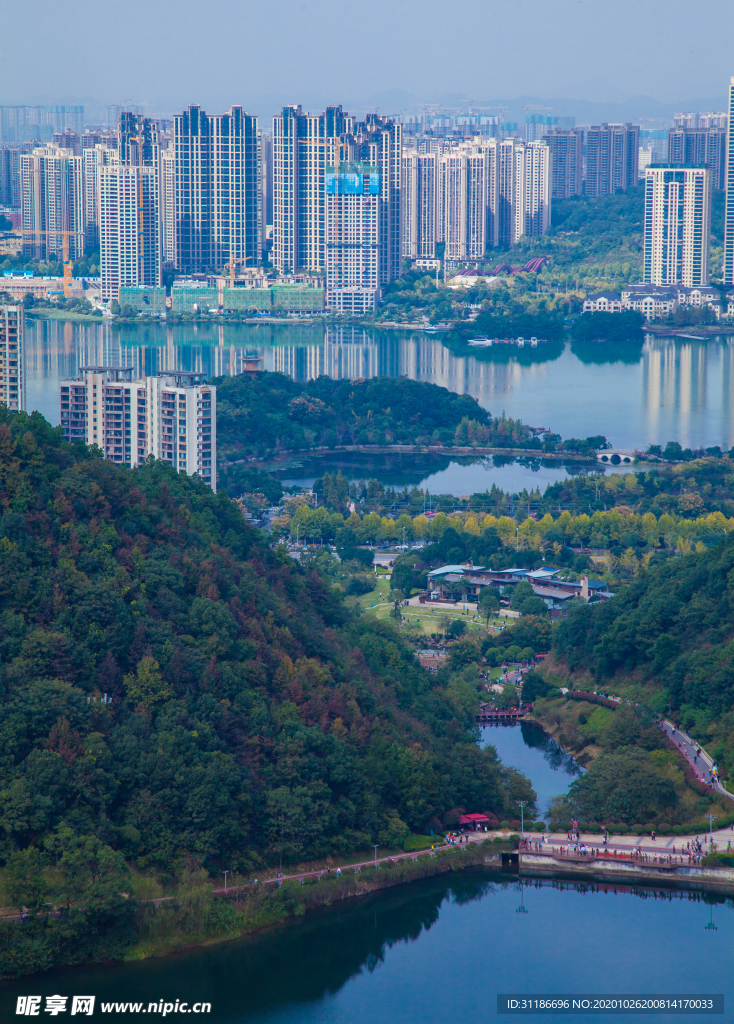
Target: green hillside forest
column 666, row 644
column 177, row 699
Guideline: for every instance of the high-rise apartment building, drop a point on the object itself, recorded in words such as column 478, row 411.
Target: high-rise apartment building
column 171, row 416
column 612, row 155
column 700, row 146
column 566, row 146
column 353, row 200
column 474, row 195
column 378, row 141
column 466, row 192
column 168, row 207
column 694, row 119
column 93, row 158
column 677, row 224
column 521, row 204
column 537, row 126
column 38, row 124
column 218, row 203
column 52, row 203
column 303, row 145
column 10, row 173
column 419, row 198
column 129, row 228
column 12, row 371
column 728, row 262
column 137, row 143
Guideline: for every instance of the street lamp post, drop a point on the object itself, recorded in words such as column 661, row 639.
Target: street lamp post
column 225, row 882
column 375, row 856
column 712, row 819
column 522, row 818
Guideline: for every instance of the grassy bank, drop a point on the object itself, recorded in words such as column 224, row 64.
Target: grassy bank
column 197, row 917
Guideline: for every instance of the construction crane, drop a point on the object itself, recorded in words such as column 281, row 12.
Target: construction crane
column 229, row 268
column 68, row 268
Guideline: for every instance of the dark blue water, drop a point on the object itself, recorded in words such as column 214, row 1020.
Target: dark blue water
column 527, row 747
column 433, row 952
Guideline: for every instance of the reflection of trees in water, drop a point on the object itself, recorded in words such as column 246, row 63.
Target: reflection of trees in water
column 558, row 758
column 308, row 959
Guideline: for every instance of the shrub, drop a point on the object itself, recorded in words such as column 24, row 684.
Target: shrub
column 664, row 829
column 504, row 825
column 514, row 837
column 451, row 817
column 515, row 823
column 554, row 826
column 539, row 826
column 719, row 860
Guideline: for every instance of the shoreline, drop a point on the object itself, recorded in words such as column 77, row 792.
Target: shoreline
column 411, row 867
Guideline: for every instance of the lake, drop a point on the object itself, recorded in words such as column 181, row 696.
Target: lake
column 669, row 389
column 433, row 951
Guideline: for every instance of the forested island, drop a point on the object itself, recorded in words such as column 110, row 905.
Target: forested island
column 177, row 698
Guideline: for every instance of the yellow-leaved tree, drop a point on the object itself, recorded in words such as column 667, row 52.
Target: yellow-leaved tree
column 147, row 687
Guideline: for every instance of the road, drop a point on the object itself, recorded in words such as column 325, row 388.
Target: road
column 701, row 763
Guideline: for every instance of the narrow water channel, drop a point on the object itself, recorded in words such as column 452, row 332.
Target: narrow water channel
column 527, row 746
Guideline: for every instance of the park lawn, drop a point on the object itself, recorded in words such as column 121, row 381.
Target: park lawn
column 377, row 595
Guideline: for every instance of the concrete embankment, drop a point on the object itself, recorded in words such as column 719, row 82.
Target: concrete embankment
column 626, row 871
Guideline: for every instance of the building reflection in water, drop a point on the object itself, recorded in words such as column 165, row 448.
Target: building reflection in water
column 684, row 387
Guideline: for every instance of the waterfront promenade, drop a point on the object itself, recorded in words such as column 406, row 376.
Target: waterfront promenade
column 632, row 849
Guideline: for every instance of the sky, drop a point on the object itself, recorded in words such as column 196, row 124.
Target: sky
column 610, row 57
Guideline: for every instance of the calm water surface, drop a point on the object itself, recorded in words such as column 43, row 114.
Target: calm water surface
column 670, row 389
column 528, row 747
column 434, row 951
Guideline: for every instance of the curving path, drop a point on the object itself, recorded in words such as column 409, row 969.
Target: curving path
column 700, row 761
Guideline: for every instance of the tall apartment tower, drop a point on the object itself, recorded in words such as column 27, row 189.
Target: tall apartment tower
column 378, row 142
column 93, row 158
column 129, row 228
column 612, row 155
column 677, row 224
column 419, row 197
column 171, row 416
column 218, row 203
column 12, row 371
column 728, row 263
column 137, row 140
column 700, row 146
column 521, row 204
column 52, row 203
column 566, row 147
column 168, row 206
column 303, row 144
column 467, row 183
column 353, row 202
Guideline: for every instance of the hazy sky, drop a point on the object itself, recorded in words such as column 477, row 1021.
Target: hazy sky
column 261, row 54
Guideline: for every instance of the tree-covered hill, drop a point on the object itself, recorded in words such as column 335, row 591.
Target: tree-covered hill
column 671, row 633
column 175, row 695
column 272, row 412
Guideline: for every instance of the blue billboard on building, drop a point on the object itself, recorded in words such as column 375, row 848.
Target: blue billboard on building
column 351, row 180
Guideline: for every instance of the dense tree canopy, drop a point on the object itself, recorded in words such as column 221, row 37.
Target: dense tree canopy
column 273, row 411
column 172, row 691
